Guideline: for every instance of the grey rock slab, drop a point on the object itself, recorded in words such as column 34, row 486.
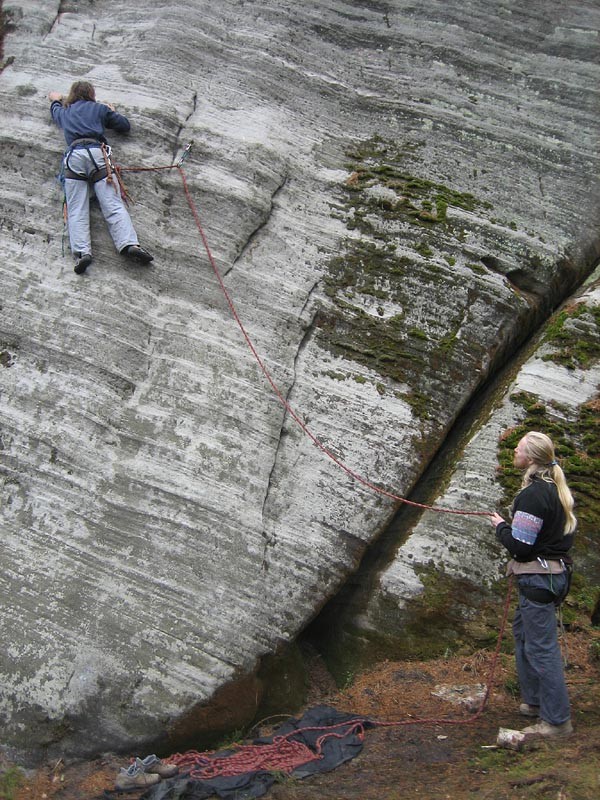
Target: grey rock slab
column 166, row 522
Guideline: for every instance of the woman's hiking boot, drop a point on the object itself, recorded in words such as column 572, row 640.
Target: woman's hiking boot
column 137, row 253
column 545, row 729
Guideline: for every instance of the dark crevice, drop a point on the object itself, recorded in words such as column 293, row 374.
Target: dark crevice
column 270, row 540
column 536, row 288
column 64, row 7
column 264, row 221
column 309, row 297
column 308, row 333
column 194, row 105
column 177, row 145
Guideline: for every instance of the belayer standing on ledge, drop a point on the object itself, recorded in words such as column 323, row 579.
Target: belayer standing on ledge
column 83, row 122
column 539, row 540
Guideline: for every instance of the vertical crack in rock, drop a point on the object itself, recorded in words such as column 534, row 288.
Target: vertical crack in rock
column 62, row 8
column 260, row 225
column 271, row 539
column 138, row 387
column 309, row 297
column 181, row 128
column 194, row 106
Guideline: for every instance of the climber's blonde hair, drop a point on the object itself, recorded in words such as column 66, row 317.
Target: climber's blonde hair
column 540, row 449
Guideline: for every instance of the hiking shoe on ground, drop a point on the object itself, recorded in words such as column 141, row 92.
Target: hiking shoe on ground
column 138, row 254
column 154, row 765
column 545, row 729
column 525, row 710
column 134, row 778
column 82, row 263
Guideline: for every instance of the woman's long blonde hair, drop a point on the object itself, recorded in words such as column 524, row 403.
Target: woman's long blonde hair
column 540, row 450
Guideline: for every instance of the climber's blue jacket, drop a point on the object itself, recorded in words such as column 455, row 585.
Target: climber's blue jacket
column 87, row 119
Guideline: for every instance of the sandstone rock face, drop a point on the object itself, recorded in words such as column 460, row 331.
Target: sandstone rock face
column 394, row 197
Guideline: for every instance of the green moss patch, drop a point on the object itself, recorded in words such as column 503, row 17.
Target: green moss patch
column 575, row 336
column 393, row 264
column 411, row 198
column 440, row 619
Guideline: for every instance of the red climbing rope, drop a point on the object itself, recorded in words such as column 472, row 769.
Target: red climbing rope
column 283, row 754
column 348, row 470
column 280, row 755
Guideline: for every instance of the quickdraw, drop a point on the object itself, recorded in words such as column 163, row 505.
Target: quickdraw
column 185, row 153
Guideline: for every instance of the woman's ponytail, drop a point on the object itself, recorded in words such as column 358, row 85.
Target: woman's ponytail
column 540, row 450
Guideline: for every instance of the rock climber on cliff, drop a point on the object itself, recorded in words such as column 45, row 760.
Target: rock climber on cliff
column 83, row 121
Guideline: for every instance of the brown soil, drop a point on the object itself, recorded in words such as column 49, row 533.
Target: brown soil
column 449, row 757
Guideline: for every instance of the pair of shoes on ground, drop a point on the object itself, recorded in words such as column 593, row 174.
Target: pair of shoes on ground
column 144, row 773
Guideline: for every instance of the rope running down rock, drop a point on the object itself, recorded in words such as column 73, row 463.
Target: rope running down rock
column 348, row 470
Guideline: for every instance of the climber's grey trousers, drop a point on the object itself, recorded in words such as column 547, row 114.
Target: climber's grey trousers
column 77, row 193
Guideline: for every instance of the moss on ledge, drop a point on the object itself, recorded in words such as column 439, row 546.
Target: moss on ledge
column 389, row 286
column 575, row 335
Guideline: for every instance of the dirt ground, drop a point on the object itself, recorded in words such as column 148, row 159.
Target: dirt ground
column 454, row 756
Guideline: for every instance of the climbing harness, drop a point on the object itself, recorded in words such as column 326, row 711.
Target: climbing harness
column 107, row 169
column 100, row 170
column 284, row 402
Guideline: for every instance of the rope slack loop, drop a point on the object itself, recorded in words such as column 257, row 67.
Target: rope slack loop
column 284, row 402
